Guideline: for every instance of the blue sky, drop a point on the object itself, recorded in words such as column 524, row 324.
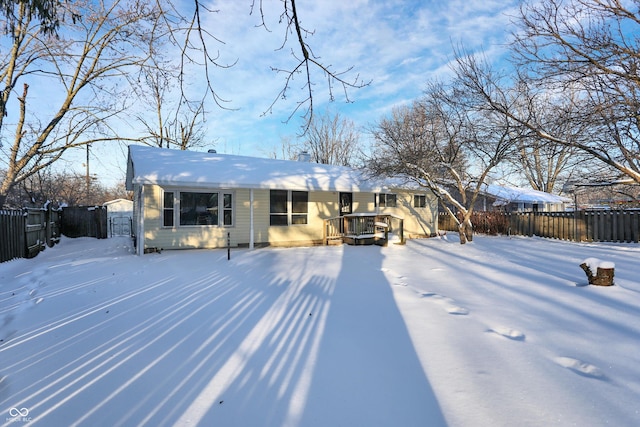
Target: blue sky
column 397, row 45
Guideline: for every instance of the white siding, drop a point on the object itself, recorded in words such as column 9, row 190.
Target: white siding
column 322, row 205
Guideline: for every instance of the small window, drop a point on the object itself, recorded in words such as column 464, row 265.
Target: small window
column 419, row 201
column 227, row 209
column 167, row 209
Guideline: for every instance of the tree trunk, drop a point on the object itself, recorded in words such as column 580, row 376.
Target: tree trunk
column 463, row 237
column 465, row 229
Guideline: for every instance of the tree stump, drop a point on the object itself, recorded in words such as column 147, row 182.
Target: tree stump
column 604, row 271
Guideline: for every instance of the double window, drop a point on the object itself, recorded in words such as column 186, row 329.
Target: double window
column 198, row 208
column 386, row 200
column 288, row 207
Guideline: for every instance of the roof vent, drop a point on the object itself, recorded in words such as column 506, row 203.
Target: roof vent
column 304, row 156
column 212, row 151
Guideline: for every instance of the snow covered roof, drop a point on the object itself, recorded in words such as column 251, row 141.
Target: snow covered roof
column 119, row 205
column 150, row 165
column 118, row 202
column 506, row 194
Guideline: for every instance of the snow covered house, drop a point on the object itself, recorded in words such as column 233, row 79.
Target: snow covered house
column 514, row 199
column 188, row 199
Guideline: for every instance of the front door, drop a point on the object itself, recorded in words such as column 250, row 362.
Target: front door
column 346, row 203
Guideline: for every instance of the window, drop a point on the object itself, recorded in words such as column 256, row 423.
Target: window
column 278, row 203
column 299, row 207
column 288, row 207
column 167, row 209
column 197, row 208
column 419, row 201
column 346, row 203
column 387, row 200
column 227, row 209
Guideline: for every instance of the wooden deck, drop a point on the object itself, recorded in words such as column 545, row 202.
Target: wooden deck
column 363, row 229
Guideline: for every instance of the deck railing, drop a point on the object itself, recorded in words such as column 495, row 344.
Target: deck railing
column 358, row 226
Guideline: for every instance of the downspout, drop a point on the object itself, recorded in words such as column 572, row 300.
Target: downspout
column 140, row 221
column 251, row 240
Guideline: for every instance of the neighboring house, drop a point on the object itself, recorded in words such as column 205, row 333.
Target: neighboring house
column 514, row 199
column 187, row 199
column 119, row 217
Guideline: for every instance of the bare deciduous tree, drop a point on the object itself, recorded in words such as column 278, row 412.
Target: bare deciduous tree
column 197, row 44
column 61, row 188
column 83, row 68
column 444, row 143
column 588, row 52
column 101, row 43
column 546, row 164
column 331, row 139
column 172, row 125
column 305, row 61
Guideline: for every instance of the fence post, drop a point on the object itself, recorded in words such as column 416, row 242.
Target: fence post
column 48, row 231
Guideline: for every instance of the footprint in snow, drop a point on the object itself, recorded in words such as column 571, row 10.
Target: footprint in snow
column 580, row 367
column 447, row 303
column 400, row 280
column 512, row 334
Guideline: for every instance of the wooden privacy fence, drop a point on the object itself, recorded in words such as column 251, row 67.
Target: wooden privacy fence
column 581, row 226
column 26, row 232
column 85, row 221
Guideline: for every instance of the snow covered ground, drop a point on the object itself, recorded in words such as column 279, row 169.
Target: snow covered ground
column 500, row 332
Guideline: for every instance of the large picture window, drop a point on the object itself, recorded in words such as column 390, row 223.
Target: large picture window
column 288, row 207
column 197, row 208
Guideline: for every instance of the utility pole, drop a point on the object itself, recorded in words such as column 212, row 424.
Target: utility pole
column 87, row 177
